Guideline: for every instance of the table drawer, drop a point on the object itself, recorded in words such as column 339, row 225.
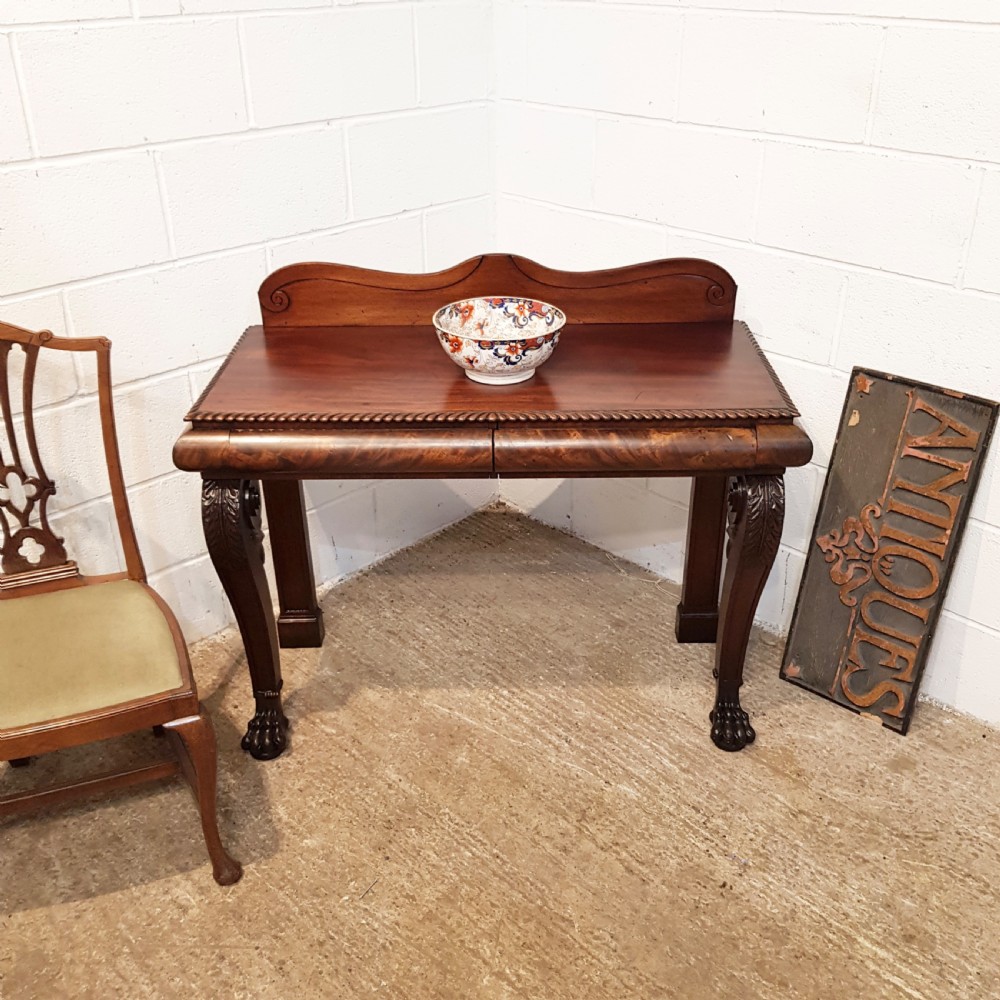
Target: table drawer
column 584, row 450
column 335, row 453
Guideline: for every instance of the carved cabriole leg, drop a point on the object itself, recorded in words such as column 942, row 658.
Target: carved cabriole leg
column 698, row 613
column 194, row 741
column 230, row 511
column 300, row 622
column 757, row 505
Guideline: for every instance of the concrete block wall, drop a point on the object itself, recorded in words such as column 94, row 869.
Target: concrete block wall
column 842, row 159
column 157, row 159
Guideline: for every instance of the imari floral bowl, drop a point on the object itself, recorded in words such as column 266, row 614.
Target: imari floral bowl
column 501, row 339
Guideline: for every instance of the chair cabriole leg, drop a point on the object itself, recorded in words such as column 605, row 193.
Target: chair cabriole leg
column 194, row 740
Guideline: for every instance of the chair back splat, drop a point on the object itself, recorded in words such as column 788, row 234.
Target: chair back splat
column 30, row 551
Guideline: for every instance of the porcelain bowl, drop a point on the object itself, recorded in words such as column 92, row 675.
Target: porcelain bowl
column 499, row 339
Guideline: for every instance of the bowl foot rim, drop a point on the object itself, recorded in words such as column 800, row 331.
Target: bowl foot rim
column 484, row 378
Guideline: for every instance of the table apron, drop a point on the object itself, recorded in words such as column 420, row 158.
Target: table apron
column 475, row 451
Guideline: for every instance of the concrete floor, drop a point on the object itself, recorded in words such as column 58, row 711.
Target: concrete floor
column 501, row 785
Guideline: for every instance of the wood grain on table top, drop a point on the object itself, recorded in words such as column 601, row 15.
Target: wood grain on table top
column 401, row 373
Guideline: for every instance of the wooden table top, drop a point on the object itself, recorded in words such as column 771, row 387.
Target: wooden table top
column 709, row 372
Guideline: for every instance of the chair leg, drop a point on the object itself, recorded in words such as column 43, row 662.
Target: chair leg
column 194, row 740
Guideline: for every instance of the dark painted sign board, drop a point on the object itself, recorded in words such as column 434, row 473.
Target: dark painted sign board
column 897, row 495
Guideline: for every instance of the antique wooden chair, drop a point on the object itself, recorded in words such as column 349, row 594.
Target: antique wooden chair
column 85, row 658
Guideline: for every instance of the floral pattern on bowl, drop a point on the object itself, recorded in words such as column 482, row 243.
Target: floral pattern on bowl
column 499, row 339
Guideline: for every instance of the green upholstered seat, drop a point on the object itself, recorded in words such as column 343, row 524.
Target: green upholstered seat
column 81, row 649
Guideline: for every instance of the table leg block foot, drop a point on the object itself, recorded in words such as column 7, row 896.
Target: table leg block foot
column 695, row 626
column 731, row 729
column 299, row 631
column 267, row 732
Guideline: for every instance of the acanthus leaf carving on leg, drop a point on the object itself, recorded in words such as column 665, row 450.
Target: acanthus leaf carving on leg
column 757, row 512
column 231, row 518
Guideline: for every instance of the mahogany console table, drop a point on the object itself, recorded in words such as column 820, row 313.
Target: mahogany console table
column 346, row 379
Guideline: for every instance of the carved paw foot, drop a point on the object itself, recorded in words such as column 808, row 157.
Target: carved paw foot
column 266, row 737
column 731, row 729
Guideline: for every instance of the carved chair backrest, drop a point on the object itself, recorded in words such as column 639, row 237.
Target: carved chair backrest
column 30, row 551
column 680, row 290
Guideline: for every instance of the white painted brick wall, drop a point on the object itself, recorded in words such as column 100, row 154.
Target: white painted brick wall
column 400, row 163
column 842, row 159
column 694, row 178
column 307, row 67
column 14, row 143
column 794, row 77
column 546, row 154
column 937, row 92
column 454, row 44
column 614, row 59
column 103, row 87
column 157, row 159
column 982, row 270
column 895, row 213
column 66, row 220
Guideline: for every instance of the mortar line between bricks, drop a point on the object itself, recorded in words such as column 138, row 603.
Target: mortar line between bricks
column 22, row 93
column 258, row 13
column 184, row 564
column 363, row 485
column 129, row 385
column 839, row 17
column 26, row 294
column 988, row 526
column 758, row 192
column 743, row 244
column 965, row 620
column 887, row 20
column 838, row 324
column 809, row 142
column 348, row 185
column 161, row 188
column 241, row 40
column 679, row 76
column 83, row 156
column 890, row 20
column 823, row 366
column 105, row 498
column 415, row 30
column 963, row 264
column 876, row 81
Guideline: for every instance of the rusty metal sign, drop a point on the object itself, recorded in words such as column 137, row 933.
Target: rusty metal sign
column 902, row 476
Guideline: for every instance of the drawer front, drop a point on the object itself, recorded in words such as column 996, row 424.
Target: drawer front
column 384, row 452
column 622, row 450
